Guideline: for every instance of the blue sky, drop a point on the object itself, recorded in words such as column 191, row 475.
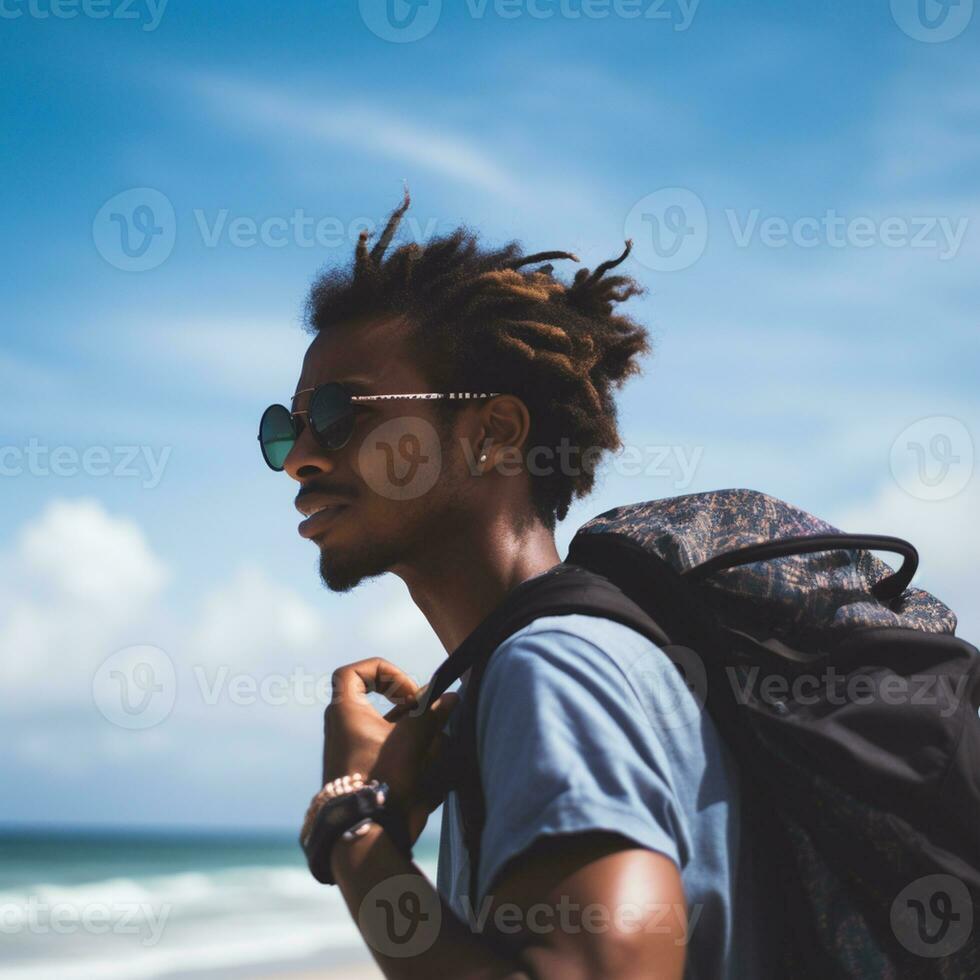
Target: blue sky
column 823, row 300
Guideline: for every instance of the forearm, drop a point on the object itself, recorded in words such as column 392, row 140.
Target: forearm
column 411, row 932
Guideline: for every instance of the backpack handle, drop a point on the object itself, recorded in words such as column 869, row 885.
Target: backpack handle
column 890, row 587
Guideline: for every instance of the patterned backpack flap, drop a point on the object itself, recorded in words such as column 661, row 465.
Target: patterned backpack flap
column 805, row 598
column 853, row 711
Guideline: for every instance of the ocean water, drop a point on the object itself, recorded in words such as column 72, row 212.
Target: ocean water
column 133, row 906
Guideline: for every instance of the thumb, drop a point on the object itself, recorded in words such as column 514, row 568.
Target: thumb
column 439, row 711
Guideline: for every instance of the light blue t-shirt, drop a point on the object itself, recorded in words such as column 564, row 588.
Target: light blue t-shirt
column 585, row 724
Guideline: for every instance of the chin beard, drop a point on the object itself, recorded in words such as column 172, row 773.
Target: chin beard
column 343, row 573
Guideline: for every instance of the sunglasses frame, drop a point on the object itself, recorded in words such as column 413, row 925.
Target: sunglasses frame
column 416, row 396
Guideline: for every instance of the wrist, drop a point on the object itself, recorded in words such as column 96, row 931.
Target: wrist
column 348, row 854
column 342, row 814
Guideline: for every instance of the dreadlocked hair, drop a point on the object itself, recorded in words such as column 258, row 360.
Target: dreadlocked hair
column 481, row 320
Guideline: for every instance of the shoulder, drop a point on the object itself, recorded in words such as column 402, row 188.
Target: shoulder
column 567, row 740
column 592, row 636
column 581, row 666
column 573, row 648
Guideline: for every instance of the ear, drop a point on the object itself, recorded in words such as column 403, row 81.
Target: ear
column 504, row 425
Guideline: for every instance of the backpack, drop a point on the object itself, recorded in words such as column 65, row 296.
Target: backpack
column 866, row 791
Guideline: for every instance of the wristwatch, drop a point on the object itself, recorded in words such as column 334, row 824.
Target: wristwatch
column 347, row 815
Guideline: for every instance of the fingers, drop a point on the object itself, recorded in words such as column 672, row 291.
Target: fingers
column 400, row 710
column 347, row 783
column 374, row 674
column 409, row 705
column 433, row 719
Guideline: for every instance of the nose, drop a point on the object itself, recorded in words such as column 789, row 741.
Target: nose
column 307, row 458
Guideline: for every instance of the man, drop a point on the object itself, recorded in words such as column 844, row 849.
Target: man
column 612, row 841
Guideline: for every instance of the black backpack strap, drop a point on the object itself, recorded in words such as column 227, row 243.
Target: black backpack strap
column 552, row 593
column 564, row 590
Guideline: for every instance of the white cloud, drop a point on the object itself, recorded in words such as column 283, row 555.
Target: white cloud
column 81, row 584
column 79, row 553
column 74, row 578
column 252, row 621
column 945, row 533
column 252, row 660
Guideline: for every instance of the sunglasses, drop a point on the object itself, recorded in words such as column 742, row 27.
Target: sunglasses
column 330, row 417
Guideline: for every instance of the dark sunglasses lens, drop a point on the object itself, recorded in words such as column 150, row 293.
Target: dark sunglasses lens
column 276, row 435
column 332, row 416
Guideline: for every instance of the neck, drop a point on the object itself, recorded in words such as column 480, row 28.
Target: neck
column 463, row 578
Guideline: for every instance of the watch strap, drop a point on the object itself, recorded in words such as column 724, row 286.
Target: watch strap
column 338, row 815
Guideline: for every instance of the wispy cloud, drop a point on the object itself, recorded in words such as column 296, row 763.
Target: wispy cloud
column 358, row 127
column 538, row 187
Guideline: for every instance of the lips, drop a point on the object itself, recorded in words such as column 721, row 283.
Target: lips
column 320, row 519
column 320, row 508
